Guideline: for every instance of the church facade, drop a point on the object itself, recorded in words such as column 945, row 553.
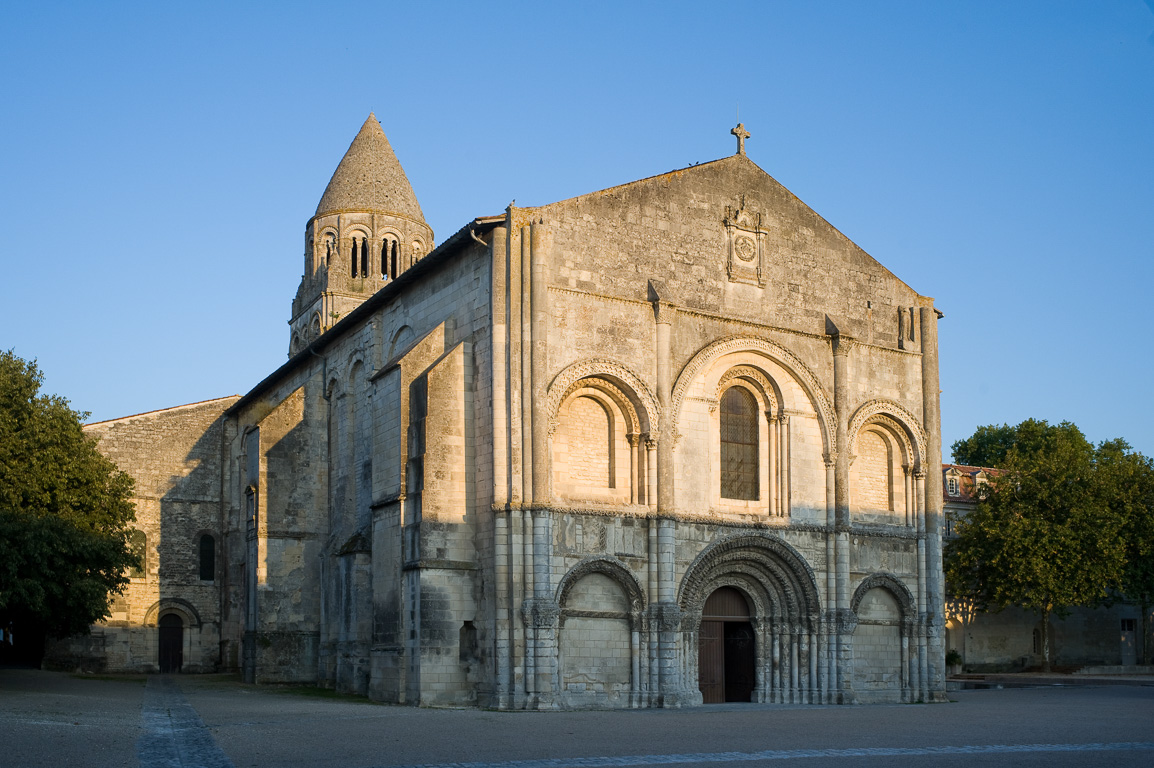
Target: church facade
column 669, row 443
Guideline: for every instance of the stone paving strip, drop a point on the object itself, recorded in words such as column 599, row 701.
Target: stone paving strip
column 172, row 735
column 793, row 754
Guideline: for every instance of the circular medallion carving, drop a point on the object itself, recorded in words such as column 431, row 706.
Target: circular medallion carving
column 744, row 248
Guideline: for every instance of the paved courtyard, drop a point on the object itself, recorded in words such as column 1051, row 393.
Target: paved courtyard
column 54, row 719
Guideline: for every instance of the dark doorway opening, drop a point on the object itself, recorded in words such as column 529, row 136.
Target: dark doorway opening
column 171, row 643
column 726, row 649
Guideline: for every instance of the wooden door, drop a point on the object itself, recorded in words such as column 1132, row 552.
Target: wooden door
column 171, row 643
column 726, row 649
column 711, row 661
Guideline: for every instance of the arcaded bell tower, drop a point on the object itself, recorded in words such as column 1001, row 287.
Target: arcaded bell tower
column 367, row 230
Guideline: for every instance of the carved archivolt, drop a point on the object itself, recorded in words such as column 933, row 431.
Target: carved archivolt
column 898, row 419
column 633, row 423
column 611, row 377
column 783, row 357
column 609, row 566
column 892, row 585
column 745, row 560
column 757, row 378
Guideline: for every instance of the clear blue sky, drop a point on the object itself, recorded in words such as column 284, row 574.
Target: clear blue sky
column 160, row 161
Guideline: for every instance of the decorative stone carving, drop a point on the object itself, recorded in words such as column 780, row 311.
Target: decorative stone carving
column 540, row 613
column 781, row 572
column 628, row 386
column 898, row 419
column 892, row 585
column 801, row 373
column 745, row 244
column 609, row 566
column 751, row 374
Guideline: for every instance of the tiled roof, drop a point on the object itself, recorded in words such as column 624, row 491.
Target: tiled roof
column 967, row 479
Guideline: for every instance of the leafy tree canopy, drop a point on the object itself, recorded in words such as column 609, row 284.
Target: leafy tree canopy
column 1051, row 531
column 64, row 511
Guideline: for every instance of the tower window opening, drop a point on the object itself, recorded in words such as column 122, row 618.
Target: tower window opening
column 365, row 256
column 354, row 257
column 393, row 262
column 385, row 259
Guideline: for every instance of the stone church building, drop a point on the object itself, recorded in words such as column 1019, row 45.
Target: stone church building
column 671, row 442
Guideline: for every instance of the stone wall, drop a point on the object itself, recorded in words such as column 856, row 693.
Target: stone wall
column 173, row 456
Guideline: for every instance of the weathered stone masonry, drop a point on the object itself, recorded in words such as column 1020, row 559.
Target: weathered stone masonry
column 656, row 445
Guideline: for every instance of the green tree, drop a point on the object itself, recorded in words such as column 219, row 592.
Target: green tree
column 64, row 512
column 1046, row 534
column 987, row 447
column 1130, row 477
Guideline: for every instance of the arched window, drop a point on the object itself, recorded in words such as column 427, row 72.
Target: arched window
column 207, row 558
column 739, row 449
column 138, row 545
column 389, row 259
column 354, row 259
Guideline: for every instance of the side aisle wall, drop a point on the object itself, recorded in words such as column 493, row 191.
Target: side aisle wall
column 174, row 457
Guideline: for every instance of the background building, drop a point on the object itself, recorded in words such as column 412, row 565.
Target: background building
column 1011, row 639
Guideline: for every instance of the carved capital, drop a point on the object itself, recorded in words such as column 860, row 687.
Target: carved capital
column 666, row 616
column 540, row 613
column 842, row 344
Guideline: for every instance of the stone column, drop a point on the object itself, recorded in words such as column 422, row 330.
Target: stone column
column 828, row 637
column 651, row 473
column 634, row 477
column 924, row 609
column 774, row 460
column 931, row 421
column 667, row 614
column 841, row 350
column 783, row 452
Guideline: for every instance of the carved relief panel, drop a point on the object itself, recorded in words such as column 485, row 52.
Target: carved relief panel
column 745, row 245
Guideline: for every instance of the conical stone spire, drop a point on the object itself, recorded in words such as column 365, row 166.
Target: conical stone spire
column 367, row 231
column 369, row 178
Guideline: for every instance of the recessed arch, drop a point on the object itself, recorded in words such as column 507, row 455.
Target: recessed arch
column 611, row 567
column 903, row 423
column 780, row 590
column 600, row 608
column 642, row 400
column 186, row 610
column 788, row 582
column 809, row 383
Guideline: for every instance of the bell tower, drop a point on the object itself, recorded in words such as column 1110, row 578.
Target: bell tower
column 368, row 229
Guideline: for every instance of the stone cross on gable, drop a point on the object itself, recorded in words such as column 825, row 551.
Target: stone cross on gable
column 741, row 135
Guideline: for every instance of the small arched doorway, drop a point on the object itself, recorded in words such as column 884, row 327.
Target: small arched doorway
column 726, row 648
column 171, row 653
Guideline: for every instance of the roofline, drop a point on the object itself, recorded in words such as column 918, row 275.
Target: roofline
column 394, row 214
column 368, row 306
column 788, row 191
column 159, row 410
column 631, row 183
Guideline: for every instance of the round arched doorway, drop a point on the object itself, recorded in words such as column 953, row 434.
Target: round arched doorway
column 726, row 669
column 171, row 650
